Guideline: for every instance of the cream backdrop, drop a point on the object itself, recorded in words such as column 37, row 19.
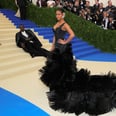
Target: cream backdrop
column 91, row 2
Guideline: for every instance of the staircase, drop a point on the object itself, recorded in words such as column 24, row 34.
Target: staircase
column 12, row 58
column 81, row 49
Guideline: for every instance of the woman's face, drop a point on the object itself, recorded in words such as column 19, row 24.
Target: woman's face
column 59, row 15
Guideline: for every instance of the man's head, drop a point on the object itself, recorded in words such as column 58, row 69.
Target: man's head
column 109, row 3
column 22, row 28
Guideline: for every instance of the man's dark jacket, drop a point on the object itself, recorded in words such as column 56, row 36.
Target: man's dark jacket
column 22, row 39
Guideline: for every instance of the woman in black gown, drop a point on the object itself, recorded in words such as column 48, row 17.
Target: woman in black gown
column 73, row 90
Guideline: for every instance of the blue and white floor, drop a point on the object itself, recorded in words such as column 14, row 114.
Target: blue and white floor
column 21, row 91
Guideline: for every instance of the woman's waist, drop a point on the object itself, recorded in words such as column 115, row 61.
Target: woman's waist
column 57, row 38
column 57, row 44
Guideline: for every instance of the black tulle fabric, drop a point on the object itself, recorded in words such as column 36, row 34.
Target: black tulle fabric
column 77, row 91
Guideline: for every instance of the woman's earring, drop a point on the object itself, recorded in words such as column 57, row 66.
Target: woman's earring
column 63, row 15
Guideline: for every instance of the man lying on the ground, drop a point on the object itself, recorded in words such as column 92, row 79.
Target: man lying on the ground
column 27, row 40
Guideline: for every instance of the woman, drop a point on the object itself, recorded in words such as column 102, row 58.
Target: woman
column 61, row 54
column 72, row 90
column 18, row 11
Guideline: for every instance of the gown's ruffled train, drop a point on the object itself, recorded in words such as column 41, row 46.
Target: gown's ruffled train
column 77, row 91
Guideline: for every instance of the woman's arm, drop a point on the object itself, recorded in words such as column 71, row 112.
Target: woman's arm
column 71, row 34
column 53, row 44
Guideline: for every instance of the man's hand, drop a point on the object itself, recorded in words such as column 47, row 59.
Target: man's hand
column 22, row 45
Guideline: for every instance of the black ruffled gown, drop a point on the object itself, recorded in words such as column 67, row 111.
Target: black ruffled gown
column 73, row 90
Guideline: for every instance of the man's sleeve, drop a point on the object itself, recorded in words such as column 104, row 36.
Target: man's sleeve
column 35, row 38
column 17, row 39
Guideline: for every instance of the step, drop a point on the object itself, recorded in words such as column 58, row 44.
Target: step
column 7, row 40
column 5, row 22
column 15, row 57
column 86, row 53
column 6, row 67
column 20, row 71
column 45, row 32
column 7, row 30
column 82, row 48
column 2, row 15
column 79, row 44
column 12, row 38
column 12, row 47
column 42, row 28
column 18, row 21
column 12, row 33
column 3, row 18
column 10, row 54
column 48, row 36
column 9, row 27
column 23, row 22
column 27, row 26
column 11, row 43
column 50, row 40
column 7, row 45
column 77, row 41
column 14, row 61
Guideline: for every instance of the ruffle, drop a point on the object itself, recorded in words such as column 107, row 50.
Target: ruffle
column 77, row 91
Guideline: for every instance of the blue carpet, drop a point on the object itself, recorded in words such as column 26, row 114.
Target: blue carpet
column 81, row 49
column 13, row 105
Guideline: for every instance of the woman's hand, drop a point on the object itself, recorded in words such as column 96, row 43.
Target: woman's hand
column 61, row 41
column 52, row 49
